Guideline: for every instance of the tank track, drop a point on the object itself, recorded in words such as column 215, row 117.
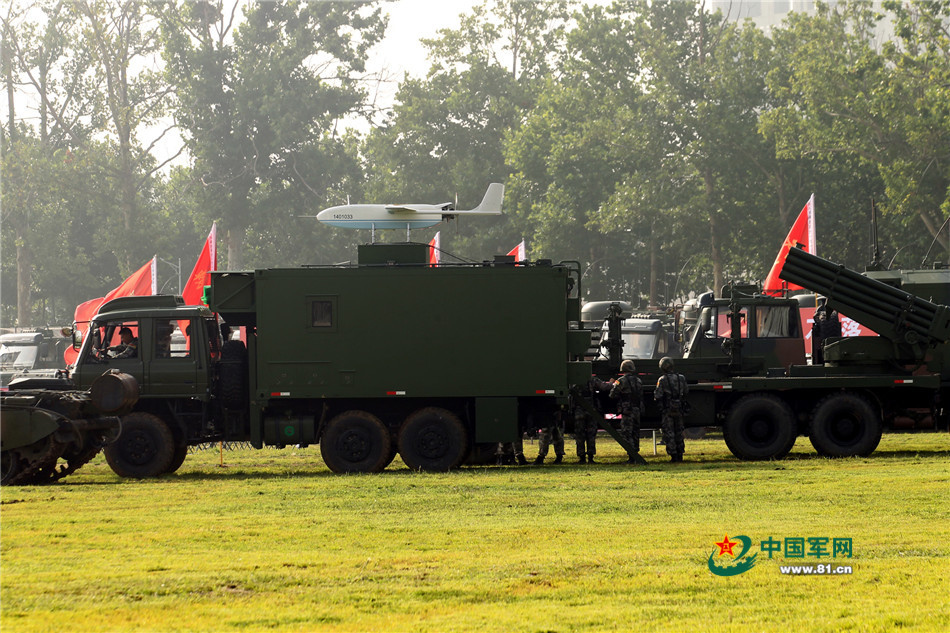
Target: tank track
column 43, row 466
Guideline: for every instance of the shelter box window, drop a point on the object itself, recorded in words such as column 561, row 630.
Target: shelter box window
column 322, row 312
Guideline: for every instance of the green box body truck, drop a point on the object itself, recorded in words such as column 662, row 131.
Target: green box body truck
column 388, row 356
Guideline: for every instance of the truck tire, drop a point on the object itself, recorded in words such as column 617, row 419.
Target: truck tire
column 181, row 451
column 356, row 442
column 145, row 447
column 232, row 375
column 433, row 439
column 760, row 426
column 845, row 425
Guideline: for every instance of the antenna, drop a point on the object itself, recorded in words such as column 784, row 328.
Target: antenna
column 875, row 250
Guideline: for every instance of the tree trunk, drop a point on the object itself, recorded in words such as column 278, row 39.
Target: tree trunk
column 24, row 282
column 654, row 257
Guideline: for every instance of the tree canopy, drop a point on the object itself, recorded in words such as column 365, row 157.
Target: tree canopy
column 666, row 146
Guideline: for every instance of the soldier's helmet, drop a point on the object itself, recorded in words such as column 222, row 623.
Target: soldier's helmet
column 666, row 363
column 628, row 366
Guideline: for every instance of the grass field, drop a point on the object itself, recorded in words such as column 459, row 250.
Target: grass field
column 274, row 542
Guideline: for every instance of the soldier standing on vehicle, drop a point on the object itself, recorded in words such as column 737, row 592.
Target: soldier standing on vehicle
column 585, row 425
column 553, row 433
column 671, row 390
column 628, row 389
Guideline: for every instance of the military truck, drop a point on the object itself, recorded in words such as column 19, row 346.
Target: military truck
column 32, row 352
column 388, row 356
column 747, row 370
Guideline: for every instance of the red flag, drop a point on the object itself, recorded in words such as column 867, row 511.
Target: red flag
column 140, row 283
column 519, row 252
column 200, row 277
column 803, row 233
column 435, row 254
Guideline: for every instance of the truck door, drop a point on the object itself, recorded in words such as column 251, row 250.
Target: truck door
column 173, row 362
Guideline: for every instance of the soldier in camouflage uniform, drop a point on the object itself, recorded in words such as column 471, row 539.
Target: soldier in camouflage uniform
column 671, row 390
column 553, row 433
column 510, row 453
column 585, row 425
column 628, row 389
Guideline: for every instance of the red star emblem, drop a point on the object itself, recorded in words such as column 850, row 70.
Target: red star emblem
column 725, row 547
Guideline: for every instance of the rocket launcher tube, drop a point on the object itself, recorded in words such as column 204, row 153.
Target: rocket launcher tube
column 892, row 313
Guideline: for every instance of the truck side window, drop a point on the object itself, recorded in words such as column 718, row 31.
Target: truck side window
column 321, row 313
column 113, row 340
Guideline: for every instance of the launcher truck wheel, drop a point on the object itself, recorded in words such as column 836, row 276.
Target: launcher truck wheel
column 760, row 426
column 356, row 442
column 845, row 425
column 145, row 447
column 433, row 439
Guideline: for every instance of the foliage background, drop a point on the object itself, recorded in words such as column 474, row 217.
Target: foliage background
column 667, row 147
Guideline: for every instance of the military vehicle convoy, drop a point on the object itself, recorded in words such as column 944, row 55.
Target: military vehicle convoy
column 48, row 433
column 393, row 356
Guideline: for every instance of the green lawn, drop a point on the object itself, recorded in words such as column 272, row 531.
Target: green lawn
column 273, row 541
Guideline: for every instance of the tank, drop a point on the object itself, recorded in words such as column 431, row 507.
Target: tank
column 47, row 433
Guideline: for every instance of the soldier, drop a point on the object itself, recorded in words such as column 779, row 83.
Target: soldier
column 510, row 453
column 553, row 433
column 628, row 389
column 826, row 325
column 671, row 390
column 585, row 425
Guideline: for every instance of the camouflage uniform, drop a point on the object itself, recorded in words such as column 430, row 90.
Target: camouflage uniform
column 511, row 452
column 629, row 391
column 585, row 425
column 671, row 390
column 553, row 433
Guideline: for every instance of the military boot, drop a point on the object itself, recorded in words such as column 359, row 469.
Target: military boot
column 521, row 460
column 581, row 459
column 637, row 460
column 538, row 460
column 557, row 459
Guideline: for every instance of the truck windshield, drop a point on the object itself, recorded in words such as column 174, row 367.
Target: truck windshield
column 18, row 357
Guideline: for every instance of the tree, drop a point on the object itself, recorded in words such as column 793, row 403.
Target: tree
column 445, row 137
column 259, row 102
column 124, row 43
column 883, row 107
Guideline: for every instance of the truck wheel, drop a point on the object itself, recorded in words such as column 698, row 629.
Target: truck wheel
column 433, row 439
column 845, row 425
column 145, row 447
column 760, row 426
column 181, row 452
column 356, row 442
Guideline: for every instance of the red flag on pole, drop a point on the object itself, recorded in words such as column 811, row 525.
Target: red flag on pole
column 519, row 252
column 200, row 276
column 140, row 283
column 435, row 255
column 802, row 233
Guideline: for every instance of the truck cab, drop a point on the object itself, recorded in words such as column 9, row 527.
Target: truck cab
column 173, row 356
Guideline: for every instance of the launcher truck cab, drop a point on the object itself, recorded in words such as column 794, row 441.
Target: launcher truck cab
column 388, row 356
